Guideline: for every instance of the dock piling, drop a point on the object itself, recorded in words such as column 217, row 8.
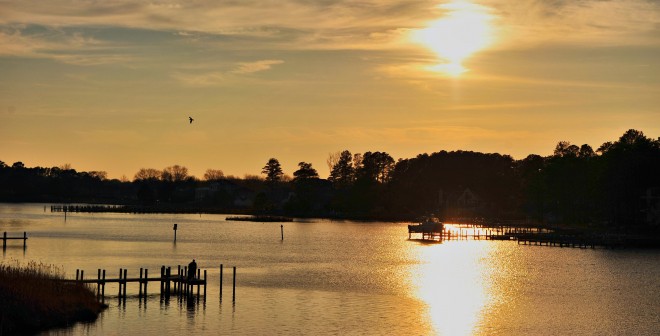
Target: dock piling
column 233, row 291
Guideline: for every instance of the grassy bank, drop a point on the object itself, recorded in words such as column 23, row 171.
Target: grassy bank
column 33, row 299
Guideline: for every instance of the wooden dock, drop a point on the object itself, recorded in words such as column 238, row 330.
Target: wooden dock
column 440, row 232
column 532, row 236
column 5, row 238
column 170, row 283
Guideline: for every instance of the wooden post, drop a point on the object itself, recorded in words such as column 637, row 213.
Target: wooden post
column 98, row 283
column 77, row 274
column 120, row 273
column 140, row 284
column 233, row 291
column 180, row 277
column 204, row 283
column 168, row 273
column 125, row 277
column 184, row 280
column 220, row 281
column 162, row 279
column 82, row 273
column 199, row 277
column 282, row 230
column 175, row 227
column 103, row 289
column 24, row 239
column 146, row 282
column 4, row 239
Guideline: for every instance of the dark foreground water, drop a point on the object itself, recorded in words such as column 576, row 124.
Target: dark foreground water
column 341, row 278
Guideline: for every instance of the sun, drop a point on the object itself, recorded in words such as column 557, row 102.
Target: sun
column 465, row 29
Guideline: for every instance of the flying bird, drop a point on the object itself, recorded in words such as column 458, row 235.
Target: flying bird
column 191, row 119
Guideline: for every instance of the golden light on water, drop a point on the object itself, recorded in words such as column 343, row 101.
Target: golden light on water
column 452, row 283
column 465, row 29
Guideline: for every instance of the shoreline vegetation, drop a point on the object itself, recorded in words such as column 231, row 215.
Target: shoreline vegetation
column 587, row 234
column 33, row 298
column 613, row 189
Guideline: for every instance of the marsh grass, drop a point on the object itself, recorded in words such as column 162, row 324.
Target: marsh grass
column 33, row 298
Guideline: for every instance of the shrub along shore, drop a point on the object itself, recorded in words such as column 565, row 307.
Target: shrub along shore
column 33, row 299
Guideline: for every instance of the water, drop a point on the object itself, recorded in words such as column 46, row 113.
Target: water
column 341, row 278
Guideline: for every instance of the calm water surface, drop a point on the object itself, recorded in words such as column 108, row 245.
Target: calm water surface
column 341, row 278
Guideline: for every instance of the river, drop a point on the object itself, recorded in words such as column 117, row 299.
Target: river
column 339, row 278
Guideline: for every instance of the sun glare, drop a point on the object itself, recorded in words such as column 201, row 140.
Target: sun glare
column 451, row 282
column 465, row 29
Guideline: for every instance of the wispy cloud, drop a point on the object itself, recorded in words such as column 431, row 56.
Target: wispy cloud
column 198, row 77
column 583, row 22
column 67, row 47
column 251, row 67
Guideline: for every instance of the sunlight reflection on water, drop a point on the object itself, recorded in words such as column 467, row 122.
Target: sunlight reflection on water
column 451, row 282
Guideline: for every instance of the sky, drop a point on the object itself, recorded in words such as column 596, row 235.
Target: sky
column 109, row 85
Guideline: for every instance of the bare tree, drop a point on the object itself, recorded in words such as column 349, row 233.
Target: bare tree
column 214, row 174
column 332, row 160
column 148, row 174
column 175, row 173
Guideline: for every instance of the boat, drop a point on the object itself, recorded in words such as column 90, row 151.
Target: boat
column 428, row 227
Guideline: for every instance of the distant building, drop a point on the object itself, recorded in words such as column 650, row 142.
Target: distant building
column 461, row 203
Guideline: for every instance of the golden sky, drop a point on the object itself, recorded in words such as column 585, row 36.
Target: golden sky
column 109, row 85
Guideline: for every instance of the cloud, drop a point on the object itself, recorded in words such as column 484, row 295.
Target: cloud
column 251, row 67
column 58, row 44
column 579, row 22
column 195, row 76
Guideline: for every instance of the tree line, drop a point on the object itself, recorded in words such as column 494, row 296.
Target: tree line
column 616, row 186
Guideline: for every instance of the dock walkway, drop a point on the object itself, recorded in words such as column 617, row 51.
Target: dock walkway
column 170, row 283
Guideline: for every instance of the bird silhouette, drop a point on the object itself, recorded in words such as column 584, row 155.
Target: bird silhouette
column 191, row 119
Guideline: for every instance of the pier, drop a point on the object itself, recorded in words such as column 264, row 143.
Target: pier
column 5, row 238
column 531, row 236
column 439, row 232
column 170, row 283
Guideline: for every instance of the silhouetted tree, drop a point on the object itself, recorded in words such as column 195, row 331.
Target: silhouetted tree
column 100, row 175
column 305, row 171
column 332, row 159
column 586, row 152
column 175, row 173
column 214, row 174
column 375, row 167
column 148, row 174
column 272, row 170
column 343, row 172
column 629, row 167
column 564, row 148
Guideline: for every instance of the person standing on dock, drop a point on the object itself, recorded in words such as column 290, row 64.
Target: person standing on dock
column 192, row 269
